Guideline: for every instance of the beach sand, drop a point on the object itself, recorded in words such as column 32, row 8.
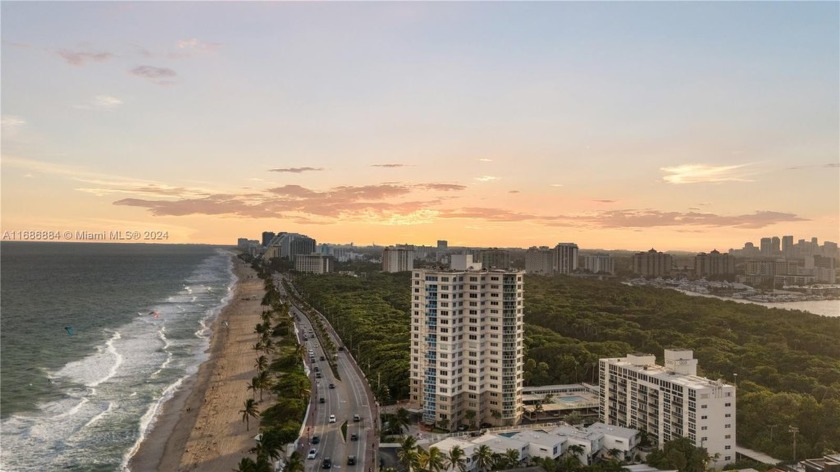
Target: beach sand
column 201, row 427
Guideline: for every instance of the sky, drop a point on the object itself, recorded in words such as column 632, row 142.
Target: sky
column 615, row 125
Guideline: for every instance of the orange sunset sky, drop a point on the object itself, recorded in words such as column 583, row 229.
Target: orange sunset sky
column 679, row 126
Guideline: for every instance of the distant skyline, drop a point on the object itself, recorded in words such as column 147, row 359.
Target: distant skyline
column 618, row 125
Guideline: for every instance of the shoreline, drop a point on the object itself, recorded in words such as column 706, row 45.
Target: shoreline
column 182, row 435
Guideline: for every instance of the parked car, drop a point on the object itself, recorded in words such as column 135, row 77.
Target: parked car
column 327, row 464
column 351, row 460
column 323, row 358
column 321, row 400
column 312, row 454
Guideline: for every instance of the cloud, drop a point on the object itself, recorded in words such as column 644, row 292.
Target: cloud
column 106, row 101
column 194, row 44
column 297, row 170
column 830, row 165
column 389, row 165
column 153, row 73
column 702, row 173
column 486, row 178
column 484, row 159
column 604, row 201
column 12, row 121
column 513, row 191
column 80, row 58
column 489, row 214
column 656, row 218
column 556, row 185
column 442, row 187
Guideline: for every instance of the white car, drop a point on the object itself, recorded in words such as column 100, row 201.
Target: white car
column 332, row 418
column 312, row 454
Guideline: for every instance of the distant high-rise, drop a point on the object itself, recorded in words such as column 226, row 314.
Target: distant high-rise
column 565, row 258
column 467, row 346
column 597, row 263
column 315, row 263
column 267, row 236
column 442, row 245
column 714, row 264
column 787, row 245
column 766, row 246
column 288, row 245
column 652, row 263
column 397, row 259
column 494, row 258
column 538, row 260
column 775, row 245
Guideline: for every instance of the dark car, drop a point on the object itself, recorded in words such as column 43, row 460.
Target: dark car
column 322, row 358
column 354, row 437
column 357, row 418
column 321, row 400
column 327, row 464
column 317, row 369
column 316, row 439
column 332, row 385
column 351, row 460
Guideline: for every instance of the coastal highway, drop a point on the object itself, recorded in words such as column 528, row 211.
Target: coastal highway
column 350, row 396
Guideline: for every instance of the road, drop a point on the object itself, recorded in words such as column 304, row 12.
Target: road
column 351, row 396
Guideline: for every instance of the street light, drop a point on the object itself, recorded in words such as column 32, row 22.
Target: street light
column 794, row 430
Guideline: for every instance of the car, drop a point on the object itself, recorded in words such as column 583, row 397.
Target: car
column 321, row 400
column 317, row 375
column 327, row 464
column 357, row 418
column 316, row 439
column 340, row 348
column 323, row 358
column 354, row 437
column 317, row 369
column 332, row 385
column 351, row 460
column 312, row 454
column 463, row 427
column 332, row 418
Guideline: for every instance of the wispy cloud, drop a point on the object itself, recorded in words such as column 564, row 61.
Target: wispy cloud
column 158, row 75
column 80, row 58
column 297, row 170
column 194, row 44
column 12, row 121
column 556, row 185
column 389, row 165
column 443, row 187
column 486, row 178
column 513, row 191
column 106, row 101
column 702, row 173
column 656, row 218
column 484, row 159
column 830, row 165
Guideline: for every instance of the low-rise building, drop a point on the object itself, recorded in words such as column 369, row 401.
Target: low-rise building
column 314, row 263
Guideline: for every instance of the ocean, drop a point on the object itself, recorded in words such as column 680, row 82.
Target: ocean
column 817, row 307
column 93, row 339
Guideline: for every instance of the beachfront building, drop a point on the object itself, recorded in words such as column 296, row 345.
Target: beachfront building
column 467, row 333
column 669, row 401
column 554, row 402
column 397, row 259
column 315, row 263
column 596, row 441
column 289, row 246
column 652, row 263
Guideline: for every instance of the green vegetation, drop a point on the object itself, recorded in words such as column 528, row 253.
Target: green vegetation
column 788, row 363
column 370, row 314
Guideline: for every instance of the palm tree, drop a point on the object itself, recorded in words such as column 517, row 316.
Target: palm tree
column 254, row 386
column 435, row 460
column 261, row 363
column 483, row 457
column 263, row 382
column 294, row 464
column 268, row 446
column 250, row 411
column 407, row 453
column 511, row 456
column 402, row 420
column 246, row 465
column 457, row 459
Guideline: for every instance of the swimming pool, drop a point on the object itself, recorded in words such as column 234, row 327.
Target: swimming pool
column 571, row 399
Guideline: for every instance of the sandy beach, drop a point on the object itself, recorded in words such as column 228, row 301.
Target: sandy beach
column 201, row 428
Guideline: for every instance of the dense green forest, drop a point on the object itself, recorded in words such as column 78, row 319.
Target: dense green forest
column 787, row 363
